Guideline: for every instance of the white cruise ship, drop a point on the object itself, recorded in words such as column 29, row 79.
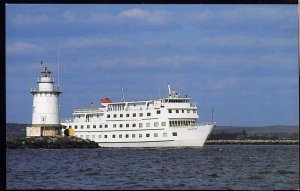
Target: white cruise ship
column 166, row 122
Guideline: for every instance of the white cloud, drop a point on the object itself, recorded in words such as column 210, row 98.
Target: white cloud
column 156, row 42
column 228, row 84
column 241, row 13
column 120, row 62
column 179, row 59
column 95, row 42
column 21, row 48
column 69, row 16
column 28, row 20
column 247, row 41
column 157, row 17
column 135, row 13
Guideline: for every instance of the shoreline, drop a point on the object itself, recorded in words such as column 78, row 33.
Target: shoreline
column 59, row 142
column 252, row 142
column 53, row 142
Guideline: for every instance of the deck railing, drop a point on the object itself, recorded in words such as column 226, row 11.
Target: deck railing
column 207, row 123
column 88, row 110
column 66, row 120
column 193, row 104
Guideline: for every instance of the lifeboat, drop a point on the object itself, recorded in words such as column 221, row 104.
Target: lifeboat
column 105, row 101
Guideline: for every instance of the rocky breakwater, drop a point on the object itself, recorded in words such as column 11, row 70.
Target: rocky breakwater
column 49, row 143
column 252, row 142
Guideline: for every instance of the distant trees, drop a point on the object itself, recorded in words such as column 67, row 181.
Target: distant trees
column 254, row 136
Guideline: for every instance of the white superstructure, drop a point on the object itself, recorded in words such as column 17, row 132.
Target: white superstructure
column 45, row 107
column 166, row 122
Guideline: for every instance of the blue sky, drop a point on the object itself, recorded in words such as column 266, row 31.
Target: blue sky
column 239, row 59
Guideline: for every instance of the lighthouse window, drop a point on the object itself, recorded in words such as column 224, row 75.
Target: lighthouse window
column 108, row 115
column 158, row 111
column 174, row 133
column 148, row 114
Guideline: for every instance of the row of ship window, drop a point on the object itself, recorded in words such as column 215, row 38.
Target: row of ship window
column 141, row 114
column 149, row 114
column 156, row 124
column 182, row 111
column 133, row 115
column 126, row 135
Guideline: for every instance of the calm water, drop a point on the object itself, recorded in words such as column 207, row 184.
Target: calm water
column 249, row 167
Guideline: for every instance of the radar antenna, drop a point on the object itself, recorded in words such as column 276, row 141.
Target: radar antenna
column 169, row 88
column 123, row 96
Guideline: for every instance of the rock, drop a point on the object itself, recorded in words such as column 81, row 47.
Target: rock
column 49, row 142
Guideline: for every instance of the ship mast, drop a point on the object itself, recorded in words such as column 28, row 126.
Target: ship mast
column 58, row 64
column 169, row 88
column 123, row 96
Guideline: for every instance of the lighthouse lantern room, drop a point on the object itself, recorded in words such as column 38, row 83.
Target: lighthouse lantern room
column 45, row 107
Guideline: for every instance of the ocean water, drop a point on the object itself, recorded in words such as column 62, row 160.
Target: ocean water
column 246, row 167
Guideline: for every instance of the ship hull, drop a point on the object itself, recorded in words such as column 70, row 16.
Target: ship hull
column 186, row 137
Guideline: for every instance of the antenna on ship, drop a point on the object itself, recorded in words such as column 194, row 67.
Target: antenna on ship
column 169, row 88
column 58, row 63
column 212, row 114
column 123, row 96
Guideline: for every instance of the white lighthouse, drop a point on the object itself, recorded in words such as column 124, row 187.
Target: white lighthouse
column 45, row 107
